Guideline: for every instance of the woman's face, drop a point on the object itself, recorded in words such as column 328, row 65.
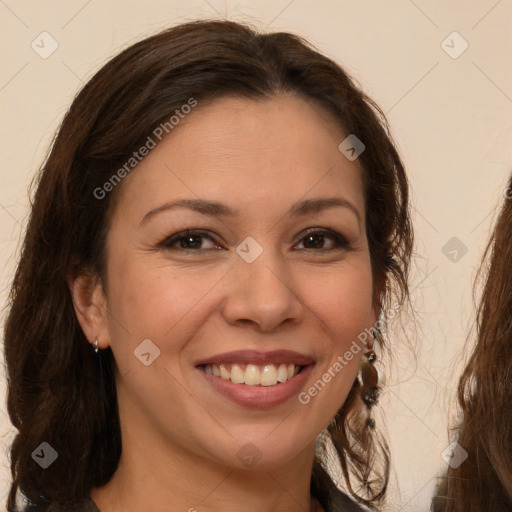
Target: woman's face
column 272, row 278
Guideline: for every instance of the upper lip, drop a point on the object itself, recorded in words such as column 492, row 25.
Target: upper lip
column 257, row 357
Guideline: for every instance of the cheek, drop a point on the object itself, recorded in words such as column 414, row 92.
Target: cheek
column 342, row 300
column 343, row 304
column 150, row 301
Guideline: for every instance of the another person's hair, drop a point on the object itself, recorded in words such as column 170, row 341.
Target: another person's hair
column 57, row 392
column 484, row 480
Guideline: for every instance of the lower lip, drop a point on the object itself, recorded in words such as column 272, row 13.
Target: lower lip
column 259, row 396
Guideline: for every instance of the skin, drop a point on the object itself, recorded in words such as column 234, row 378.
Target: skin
column 181, row 437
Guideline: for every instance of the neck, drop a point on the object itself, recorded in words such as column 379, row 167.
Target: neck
column 158, row 488
column 155, row 474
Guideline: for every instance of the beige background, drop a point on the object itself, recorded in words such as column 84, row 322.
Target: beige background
column 451, row 118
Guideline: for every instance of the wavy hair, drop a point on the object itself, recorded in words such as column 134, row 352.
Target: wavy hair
column 484, row 480
column 58, row 391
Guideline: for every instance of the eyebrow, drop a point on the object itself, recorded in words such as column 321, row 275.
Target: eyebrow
column 217, row 209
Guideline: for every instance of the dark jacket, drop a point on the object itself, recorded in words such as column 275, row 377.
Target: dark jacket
column 338, row 502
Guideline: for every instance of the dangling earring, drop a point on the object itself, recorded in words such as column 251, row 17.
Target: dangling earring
column 95, row 344
column 369, row 379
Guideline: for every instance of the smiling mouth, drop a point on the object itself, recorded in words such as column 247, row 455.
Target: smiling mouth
column 254, row 374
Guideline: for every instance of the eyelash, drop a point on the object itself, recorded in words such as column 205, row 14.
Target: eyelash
column 168, row 243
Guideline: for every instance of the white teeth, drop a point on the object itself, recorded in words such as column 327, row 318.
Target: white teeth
column 237, row 374
column 268, row 375
column 223, row 372
column 251, row 375
column 282, row 373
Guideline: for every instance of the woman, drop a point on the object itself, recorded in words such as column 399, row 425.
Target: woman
column 483, row 480
column 220, row 224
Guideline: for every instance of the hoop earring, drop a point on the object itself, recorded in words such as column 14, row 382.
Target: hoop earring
column 369, row 379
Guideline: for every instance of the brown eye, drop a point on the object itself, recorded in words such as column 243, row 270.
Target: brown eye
column 190, row 240
column 316, row 239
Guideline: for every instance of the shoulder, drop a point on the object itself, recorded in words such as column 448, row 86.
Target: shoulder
column 87, row 505
column 340, row 502
column 345, row 504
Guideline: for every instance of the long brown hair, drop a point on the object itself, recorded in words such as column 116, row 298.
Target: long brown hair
column 484, row 480
column 58, row 392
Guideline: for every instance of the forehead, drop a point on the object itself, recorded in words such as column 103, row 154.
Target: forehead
column 232, row 148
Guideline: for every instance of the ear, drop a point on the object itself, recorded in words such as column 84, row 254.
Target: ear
column 90, row 306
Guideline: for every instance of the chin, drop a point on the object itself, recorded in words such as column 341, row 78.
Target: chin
column 265, row 452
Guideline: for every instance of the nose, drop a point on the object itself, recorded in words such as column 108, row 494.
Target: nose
column 262, row 294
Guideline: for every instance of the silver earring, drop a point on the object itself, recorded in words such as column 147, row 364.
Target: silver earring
column 369, row 379
column 95, row 345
